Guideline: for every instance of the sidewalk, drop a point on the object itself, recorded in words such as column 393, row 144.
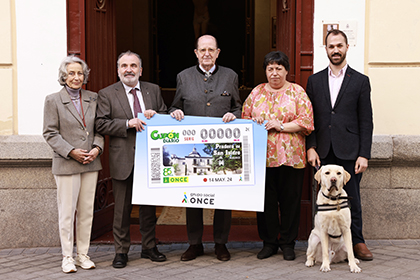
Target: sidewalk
column 393, row 259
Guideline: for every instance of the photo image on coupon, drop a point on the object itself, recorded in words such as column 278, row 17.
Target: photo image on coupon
column 203, row 159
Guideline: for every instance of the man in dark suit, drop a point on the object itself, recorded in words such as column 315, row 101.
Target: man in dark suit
column 209, row 90
column 118, row 105
column 342, row 107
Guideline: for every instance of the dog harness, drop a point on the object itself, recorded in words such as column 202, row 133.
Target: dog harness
column 329, row 207
column 337, row 207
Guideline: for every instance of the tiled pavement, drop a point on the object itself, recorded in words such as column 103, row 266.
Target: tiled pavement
column 393, row 259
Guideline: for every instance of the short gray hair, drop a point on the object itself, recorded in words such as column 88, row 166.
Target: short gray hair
column 127, row 53
column 62, row 70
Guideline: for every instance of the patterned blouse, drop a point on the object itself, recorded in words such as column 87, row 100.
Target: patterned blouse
column 289, row 105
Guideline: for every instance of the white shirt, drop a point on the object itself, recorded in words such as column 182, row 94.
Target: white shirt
column 130, row 97
column 210, row 71
column 335, row 83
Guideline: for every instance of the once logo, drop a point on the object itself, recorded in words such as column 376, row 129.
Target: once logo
column 200, row 200
column 175, row 179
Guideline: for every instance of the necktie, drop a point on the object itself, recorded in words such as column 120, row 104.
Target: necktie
column 136, row 104
column 208, row 74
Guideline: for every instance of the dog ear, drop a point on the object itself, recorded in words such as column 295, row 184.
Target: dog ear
column 318, row 175
column 347, row 176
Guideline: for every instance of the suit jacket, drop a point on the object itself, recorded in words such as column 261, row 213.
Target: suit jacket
column 64, row 131
column 112, row 115
column 197, row 95
column 347, row 126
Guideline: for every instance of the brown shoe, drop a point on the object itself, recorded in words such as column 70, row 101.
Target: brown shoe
column 362, row 252
column 221, row 252
column 192, row 252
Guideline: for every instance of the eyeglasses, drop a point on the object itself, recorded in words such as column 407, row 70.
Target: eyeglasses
column 210, row 50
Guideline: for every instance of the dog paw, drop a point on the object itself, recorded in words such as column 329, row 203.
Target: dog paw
column 310, row 263
column 325, row 268
column 356, row 261
column 355, row 269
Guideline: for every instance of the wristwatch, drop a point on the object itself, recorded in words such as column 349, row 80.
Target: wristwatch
column 281, row 127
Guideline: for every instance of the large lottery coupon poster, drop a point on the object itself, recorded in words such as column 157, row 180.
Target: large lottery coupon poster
column 200, row 162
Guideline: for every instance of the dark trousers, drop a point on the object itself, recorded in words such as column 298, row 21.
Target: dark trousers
column 221, row 225
column 352, row 189
column 123, row 190
column 283, row 187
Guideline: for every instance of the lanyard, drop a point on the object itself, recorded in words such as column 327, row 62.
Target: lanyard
column 81, row 108
column 83, row 114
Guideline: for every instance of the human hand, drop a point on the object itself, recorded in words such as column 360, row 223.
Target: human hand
column 137, row 124
column 313, row 158
column 259, row 120
column 79, row 155
column 361, row 165
column 92, row 155
column 228, row 117
column 149, row 113
column 273, row 124
column 177, row 114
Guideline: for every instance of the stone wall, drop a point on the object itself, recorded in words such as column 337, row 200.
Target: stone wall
column 28, row 203
column 390, row 191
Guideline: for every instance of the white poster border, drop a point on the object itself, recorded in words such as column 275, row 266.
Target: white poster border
column 244, row 197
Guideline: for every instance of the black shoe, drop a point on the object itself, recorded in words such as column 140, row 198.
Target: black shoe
column 153, row 254
column 120, row 261
column 221, row 252
column 192, row 252
column 288, row 254
column 267, row 252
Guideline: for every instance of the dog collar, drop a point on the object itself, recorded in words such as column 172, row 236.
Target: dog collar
column 338, row 197
column 329, row 207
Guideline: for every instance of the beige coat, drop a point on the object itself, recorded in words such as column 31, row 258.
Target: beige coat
column 64, row 131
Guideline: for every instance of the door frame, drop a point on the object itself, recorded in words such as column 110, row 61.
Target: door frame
column 77, row 25
column 299, row 49
column 295, row 27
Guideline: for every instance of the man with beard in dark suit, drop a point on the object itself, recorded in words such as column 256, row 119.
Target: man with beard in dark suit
column 342, row 107
column 118, row 106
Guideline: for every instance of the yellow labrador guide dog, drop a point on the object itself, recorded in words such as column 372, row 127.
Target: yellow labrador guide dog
column 330, row 240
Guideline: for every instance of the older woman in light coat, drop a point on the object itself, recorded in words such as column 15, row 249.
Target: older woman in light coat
column 69, row 129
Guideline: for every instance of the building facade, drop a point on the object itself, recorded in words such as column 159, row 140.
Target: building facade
column 383, row 45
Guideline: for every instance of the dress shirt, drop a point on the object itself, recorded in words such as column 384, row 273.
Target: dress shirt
column 130, row 97
column 335, row 83
column 210, row 71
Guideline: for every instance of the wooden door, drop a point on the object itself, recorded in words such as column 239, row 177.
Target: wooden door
column 295, row 39
column 91, row 36
column 101, row 57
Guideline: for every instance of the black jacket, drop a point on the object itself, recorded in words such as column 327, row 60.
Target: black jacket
column 347, row 126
